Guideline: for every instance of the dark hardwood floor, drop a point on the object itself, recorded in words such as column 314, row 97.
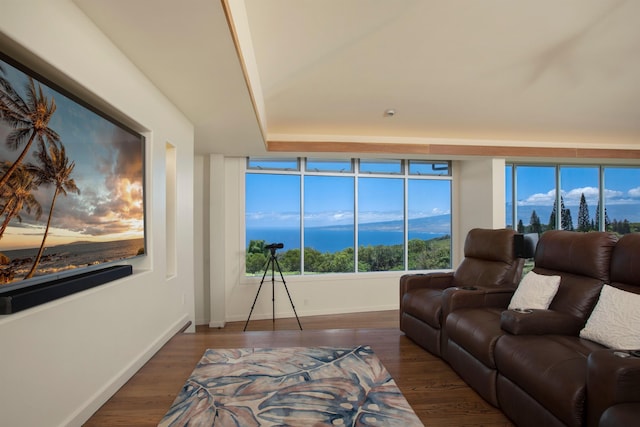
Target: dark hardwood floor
column 436, row 393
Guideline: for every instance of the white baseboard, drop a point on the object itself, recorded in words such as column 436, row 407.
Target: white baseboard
column 322, row 312
column 94, row 402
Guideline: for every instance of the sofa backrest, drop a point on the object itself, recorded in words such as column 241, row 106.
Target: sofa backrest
column 625, row 263
column 489, row 259
column 582, row 260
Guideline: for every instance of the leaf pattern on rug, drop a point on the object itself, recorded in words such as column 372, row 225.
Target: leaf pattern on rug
column 295, row 386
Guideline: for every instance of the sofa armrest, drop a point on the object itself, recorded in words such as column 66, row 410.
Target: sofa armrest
column 540, row 322
column 456, row 298
column 611, row 380
column 440, row 280
column 409, row 282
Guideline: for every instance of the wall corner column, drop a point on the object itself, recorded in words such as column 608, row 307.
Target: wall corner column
column 217, row 244
column 481, row 196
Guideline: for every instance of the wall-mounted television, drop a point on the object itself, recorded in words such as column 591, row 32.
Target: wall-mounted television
column 72, row 183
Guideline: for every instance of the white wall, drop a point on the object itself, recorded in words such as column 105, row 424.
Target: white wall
column 478, row 200
column 60, row 361
column 481, row 194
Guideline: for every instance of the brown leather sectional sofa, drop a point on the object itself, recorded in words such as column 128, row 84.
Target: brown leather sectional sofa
column 534, row 365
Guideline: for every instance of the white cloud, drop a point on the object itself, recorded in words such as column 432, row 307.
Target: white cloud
column 270, row 218
column 539, row 199
column 426, row 214
column 612, row 194
column 439, row 211
column 342, row 216
column 634, row 192
column 317, row 219
column 615, row 197
column 374, row 216
column 572, row 197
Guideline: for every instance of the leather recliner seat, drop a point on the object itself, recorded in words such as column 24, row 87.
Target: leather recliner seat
column 490, row 262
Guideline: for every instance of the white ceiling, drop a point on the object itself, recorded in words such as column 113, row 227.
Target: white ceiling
column 493, row 72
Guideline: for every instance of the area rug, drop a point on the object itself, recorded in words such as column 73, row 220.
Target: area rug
column 295, row 386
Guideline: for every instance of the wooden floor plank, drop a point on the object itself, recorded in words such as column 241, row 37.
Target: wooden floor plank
column 436, row 393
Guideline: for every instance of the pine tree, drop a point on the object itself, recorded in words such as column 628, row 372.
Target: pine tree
column 583, row 215
column 567, row 221
column 536, row 226
column 520, row 226
column 552, row 217
column 614, row 226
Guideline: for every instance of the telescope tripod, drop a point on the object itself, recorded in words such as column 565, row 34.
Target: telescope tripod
column 273, row 262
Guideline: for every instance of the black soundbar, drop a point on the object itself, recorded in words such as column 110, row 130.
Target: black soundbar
column 20, row 299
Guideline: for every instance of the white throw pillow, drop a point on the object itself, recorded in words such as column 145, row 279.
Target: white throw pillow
column 535, row 291
column 615, row 320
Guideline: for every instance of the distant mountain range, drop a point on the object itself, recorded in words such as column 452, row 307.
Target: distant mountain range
column 440, row 224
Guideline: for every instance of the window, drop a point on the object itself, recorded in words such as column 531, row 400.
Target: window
column 273, row 164
column 421, row 167
column 346, row 216
column 380, row 224
column 273, row 213
column 329, row 230
column 536, row 198
column 429, row 224
column 575, row 197
column 578, row 191
column 380, row 166
column 621, row 213
column 329, row 165
column 508, row 195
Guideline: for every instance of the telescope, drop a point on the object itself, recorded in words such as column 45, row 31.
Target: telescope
column 275, row 246
column 273, row 262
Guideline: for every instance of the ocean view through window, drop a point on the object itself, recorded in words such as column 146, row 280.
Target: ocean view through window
column 348, row 216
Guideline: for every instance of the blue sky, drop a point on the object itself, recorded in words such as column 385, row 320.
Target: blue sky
column 273, row 200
